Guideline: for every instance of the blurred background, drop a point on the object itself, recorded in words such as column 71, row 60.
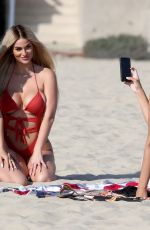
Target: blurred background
column 67, row 25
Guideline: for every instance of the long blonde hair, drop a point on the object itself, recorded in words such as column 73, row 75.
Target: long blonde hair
column 41, row 56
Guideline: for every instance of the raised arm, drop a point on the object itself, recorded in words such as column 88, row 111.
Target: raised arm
column 137, row 88
column 145, row 170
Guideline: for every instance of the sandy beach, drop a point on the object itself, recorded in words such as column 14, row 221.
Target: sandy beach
column 98, row 135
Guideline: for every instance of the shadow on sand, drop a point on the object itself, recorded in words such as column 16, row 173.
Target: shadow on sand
column 91, row 177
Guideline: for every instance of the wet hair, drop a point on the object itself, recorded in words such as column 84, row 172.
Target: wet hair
column 41, row 55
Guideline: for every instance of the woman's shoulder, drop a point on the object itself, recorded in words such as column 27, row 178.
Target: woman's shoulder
column 43, row 70
column 45, row 74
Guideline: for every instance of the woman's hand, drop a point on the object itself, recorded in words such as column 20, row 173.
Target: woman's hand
column 36, row 161
column 134, row 83
column 6, row 160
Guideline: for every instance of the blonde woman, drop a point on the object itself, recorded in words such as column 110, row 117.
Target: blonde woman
column 28, row 102
column 144, row 102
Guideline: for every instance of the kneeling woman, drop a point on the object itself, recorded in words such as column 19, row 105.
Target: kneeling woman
column 28, row 102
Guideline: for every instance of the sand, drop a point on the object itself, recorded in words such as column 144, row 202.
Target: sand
column 99, row 134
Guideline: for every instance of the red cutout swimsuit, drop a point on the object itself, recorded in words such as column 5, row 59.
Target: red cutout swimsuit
column 36, row 107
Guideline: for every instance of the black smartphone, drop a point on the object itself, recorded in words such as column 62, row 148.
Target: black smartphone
column 125, row 68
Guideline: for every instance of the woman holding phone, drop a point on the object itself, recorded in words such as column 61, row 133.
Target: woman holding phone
column 144, row 102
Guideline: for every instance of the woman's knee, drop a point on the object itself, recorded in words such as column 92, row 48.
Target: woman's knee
column 22, row 180
column 44, row 177
column 16, row 177
column 47, row 174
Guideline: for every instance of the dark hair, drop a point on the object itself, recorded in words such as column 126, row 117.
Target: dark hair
column 19, row 31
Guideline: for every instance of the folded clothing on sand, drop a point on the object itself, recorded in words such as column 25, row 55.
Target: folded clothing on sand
column 99, row 191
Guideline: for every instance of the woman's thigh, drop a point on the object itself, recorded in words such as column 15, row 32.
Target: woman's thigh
column 19, row 174
column 46, row 173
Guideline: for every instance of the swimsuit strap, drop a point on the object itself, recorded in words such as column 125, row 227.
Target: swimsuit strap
column 35, row 77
